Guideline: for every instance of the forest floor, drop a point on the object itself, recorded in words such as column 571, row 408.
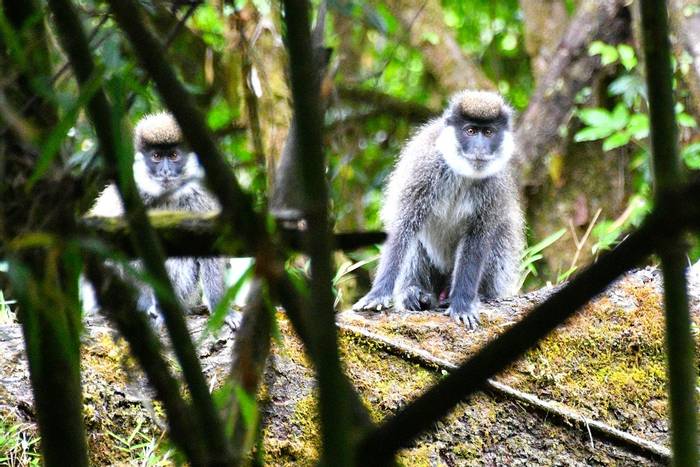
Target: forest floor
column 606, row 364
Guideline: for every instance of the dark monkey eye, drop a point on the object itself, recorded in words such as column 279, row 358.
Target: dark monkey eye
column 488, row 132
column 157, row 156
column 470, row 131
column 173, row 156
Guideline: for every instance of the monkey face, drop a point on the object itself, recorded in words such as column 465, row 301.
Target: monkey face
column 475, row 148
column 166, row 164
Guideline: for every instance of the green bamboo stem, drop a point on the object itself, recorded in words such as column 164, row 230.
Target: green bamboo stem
column 667, row 175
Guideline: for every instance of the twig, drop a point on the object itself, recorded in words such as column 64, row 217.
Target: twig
column 580, row 243
column 430, row 361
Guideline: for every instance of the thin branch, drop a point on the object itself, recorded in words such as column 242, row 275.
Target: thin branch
column 387, row 104
column 667, row 175
column 116, row 148
column 379, row 446
column 192, row 234
column 41, row 278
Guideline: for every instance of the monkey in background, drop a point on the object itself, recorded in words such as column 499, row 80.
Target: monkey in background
column 168, row 177
column 452, row 213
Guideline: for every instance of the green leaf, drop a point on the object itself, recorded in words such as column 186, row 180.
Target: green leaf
column 595, row 117
column 608, row 53
column 248, row 407
column 546, row 242
column 620, row 116
column 616, row 140
column 691, row 156
column 638, row 126
column 627, row 56
column 686, row 120
column 52, row 144
column 593, row 133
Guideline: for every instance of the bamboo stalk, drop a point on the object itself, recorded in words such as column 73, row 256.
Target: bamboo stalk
column 305, row 83
column 667, row 175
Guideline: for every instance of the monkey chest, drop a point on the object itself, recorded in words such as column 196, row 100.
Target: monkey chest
column 444, row 228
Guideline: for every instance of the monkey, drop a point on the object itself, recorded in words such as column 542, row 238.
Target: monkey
column 452, row 213
column 168, row 177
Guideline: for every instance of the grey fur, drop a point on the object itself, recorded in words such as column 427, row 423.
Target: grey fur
column 188, row 275
column 446, row 229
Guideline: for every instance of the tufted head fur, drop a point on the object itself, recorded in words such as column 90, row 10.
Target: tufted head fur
column 157, row 129
column 481, row 105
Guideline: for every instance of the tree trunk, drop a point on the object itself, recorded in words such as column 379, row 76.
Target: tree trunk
column 545, row 23
column 571, row 68
column 685, row 22
column 452, row 69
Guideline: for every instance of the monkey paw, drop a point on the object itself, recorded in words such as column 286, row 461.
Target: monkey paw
column 234, row 319
column 413, row 298
column 374, row 301
column 466, row 315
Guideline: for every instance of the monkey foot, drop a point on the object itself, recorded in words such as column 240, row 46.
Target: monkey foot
column 468, row 316
column 374, row 302
column 413, row 298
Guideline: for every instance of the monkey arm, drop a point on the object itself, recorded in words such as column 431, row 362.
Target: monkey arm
column 466, row 277
column 413, row 289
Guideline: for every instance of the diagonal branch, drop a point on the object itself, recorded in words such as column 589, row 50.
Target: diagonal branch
column 380, row 445
column 570, row 69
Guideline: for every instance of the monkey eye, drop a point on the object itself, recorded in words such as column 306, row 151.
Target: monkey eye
column 488, row 132
column 156, row 156
column 470, row 131
column 173, row 156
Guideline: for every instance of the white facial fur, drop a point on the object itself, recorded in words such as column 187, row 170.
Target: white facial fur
column 145, row 183
column 448, row 146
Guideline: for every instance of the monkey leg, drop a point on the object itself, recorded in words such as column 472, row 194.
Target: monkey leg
column 466, row 276
column 211, row 276
column 414, row 290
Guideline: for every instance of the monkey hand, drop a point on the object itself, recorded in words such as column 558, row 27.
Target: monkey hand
column 374, row 301
column 233, row 320
column 467, row 315
column 414, row 298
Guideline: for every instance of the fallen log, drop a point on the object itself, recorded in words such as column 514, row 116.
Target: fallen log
column 603, row 370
